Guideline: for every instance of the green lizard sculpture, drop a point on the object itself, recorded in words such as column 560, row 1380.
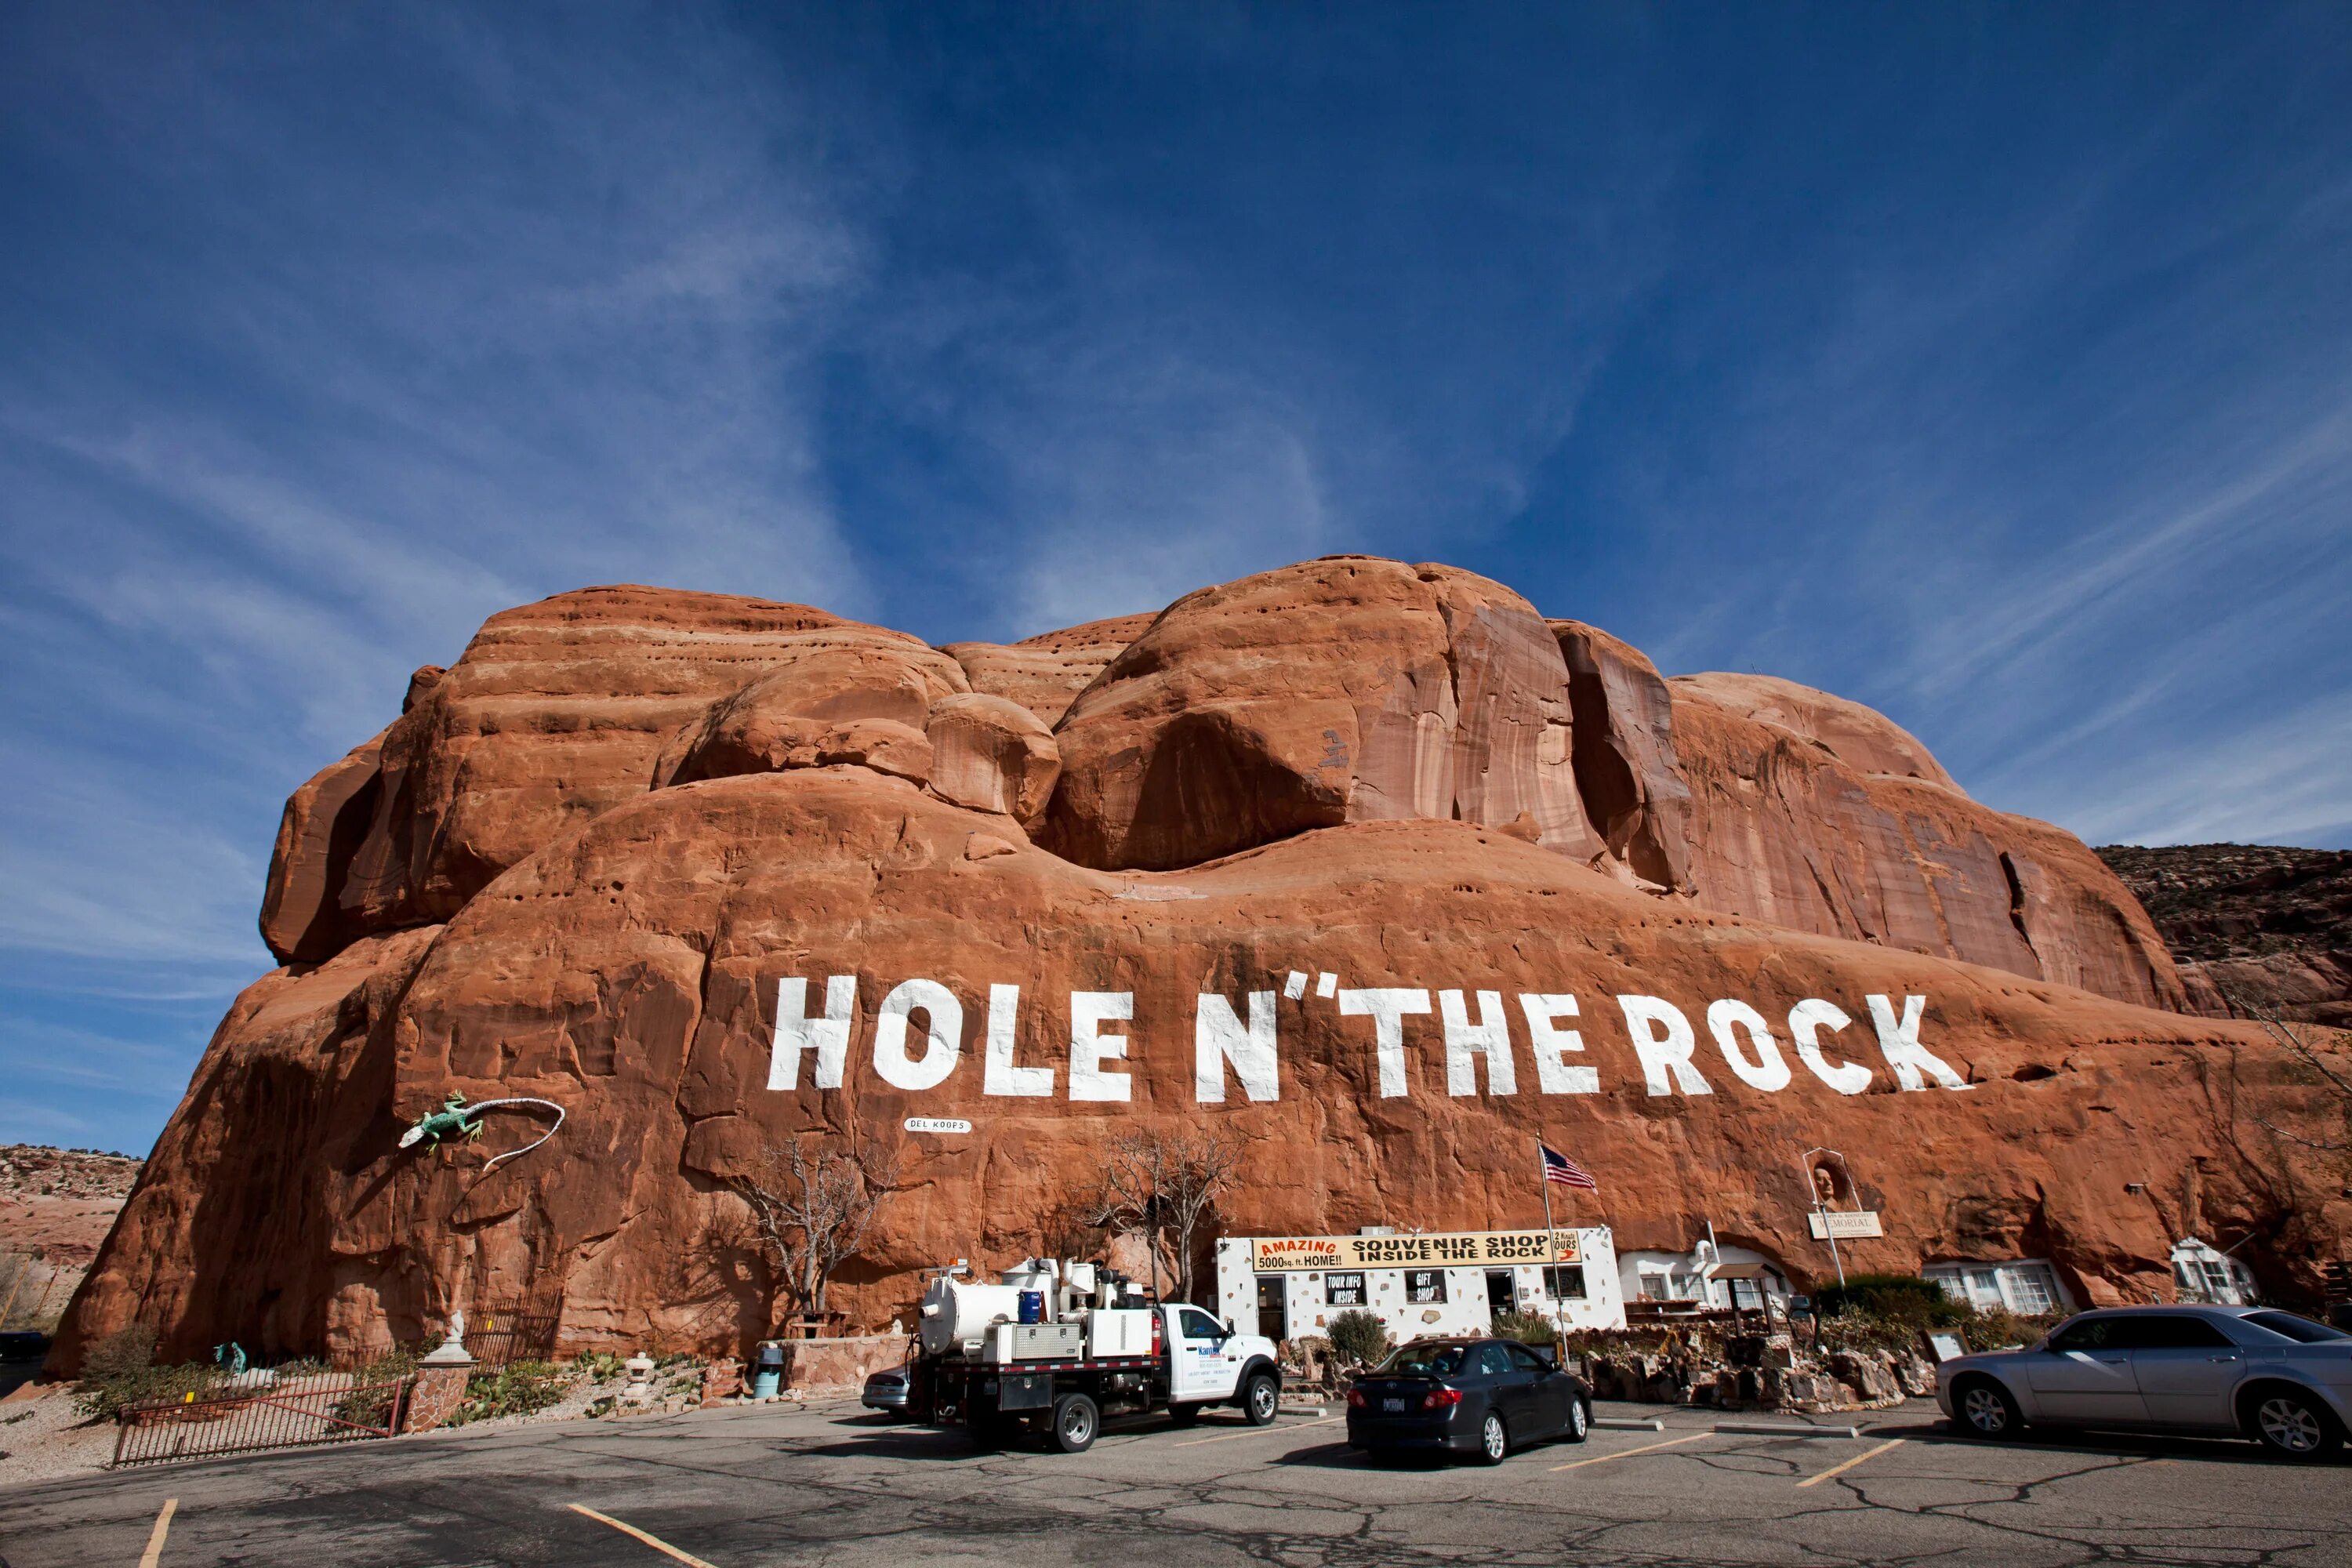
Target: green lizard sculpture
column 455, row 1118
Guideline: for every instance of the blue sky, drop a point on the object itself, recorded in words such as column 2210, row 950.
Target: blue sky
column 1992, row 365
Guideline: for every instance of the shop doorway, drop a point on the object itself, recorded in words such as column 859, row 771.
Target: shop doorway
column 1273, row 1320
column 1498, row 1292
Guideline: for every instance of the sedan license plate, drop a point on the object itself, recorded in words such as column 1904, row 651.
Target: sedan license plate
column 1392, row 1404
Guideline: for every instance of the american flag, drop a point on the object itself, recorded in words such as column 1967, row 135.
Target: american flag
column 1558, row 1167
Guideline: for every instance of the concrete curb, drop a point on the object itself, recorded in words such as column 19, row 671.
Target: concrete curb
column 1631, row 1424
column 1765, row 1430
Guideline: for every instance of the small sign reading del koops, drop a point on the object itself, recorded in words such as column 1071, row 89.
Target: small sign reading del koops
column 1273, row 1255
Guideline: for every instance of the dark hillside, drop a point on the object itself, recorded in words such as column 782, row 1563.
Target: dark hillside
column 2254, row 921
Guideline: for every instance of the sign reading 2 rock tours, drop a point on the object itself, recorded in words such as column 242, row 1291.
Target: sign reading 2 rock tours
column 1279, row 1254
column 1486, row 1042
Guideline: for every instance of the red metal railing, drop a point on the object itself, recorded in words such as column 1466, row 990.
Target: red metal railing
column 257, row 1412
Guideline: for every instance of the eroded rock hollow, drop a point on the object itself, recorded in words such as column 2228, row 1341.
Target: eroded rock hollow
column 1369, row 865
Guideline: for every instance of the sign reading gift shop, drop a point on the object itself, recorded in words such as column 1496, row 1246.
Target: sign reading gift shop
column 1276, row 1254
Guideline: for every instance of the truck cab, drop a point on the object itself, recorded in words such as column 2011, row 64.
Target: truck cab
column 1208, row 1363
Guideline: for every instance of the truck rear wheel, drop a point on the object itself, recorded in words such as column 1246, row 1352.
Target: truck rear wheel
column 1261, row 1399
column 1075, row 1421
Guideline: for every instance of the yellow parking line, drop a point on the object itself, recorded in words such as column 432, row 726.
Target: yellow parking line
column 1629, row 1453
column 1838, row 1469
column 656, row 1541
column 154, row 1552
column 1255, row 1432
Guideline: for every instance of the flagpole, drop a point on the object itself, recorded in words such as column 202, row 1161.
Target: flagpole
column 1551, row 1250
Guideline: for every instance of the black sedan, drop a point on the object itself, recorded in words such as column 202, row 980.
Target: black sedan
column 1478, row 1397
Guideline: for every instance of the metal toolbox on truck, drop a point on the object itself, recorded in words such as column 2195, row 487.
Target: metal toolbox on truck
column 1119, row 1332
column 1036, row 1341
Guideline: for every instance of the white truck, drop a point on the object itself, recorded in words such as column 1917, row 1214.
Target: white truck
column 1055, row 1346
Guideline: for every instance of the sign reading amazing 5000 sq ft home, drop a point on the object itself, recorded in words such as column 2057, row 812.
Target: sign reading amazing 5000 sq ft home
column 1481, row 1038
column 1273, row 1255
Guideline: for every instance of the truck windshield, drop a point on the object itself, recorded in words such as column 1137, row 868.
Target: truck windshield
column 1429, row 1361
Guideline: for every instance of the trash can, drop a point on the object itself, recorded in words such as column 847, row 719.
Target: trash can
column 768, row 1373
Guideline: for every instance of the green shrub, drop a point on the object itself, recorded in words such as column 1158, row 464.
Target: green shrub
column 1528, row 1328
column 374, row 1387
column 521, row 1389
column 599, row 1366
column 1359, row 1336
column 121, row 1369
column 1896, row 1298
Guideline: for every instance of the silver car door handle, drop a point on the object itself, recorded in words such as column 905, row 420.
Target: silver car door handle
column 2221, row 1358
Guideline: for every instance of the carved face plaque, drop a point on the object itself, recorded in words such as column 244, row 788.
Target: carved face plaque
column 1825, row 1183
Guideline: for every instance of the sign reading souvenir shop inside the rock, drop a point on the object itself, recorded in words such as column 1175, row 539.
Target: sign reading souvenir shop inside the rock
column 1275, row 1254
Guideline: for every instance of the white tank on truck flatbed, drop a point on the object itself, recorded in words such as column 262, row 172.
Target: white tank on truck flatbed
column 956, row 1313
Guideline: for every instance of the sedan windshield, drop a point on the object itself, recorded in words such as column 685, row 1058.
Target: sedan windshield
column 1428, row 1361
column 2301, row 1330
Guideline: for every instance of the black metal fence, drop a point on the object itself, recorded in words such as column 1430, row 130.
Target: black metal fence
column 499, row 1334
column 257, row 1412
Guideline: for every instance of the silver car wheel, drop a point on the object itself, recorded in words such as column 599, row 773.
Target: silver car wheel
column 2290, row 1424
column 1985, row 1410
column 1575, row 1420
column 1492, row 1436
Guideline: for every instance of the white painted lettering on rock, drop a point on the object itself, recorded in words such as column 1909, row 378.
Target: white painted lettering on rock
column 1243, row 1043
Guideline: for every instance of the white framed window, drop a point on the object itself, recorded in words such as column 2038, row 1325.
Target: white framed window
column 2031, row 1289
column 1564, row 1281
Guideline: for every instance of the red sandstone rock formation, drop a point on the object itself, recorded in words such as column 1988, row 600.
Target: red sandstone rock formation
column 1348, row 689
column 1866, row 740
column 1784, row 831
column 644, row 868
column 1045, row 673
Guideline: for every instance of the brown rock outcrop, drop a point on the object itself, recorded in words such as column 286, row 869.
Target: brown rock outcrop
column 1344, row 689
column 1424, row 905
column 302, row 917
column 1864, row 739
column 2251, row 925
column 1782, row 831
column 1044, row 673
column 1626, row 770
column 557, row 710
column 991, row 753
column 851, row 697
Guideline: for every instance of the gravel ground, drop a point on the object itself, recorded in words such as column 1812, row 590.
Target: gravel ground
column 43, row 1439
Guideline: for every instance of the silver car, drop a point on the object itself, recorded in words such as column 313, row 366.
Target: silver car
column 2255, row 1372
column 887, row 1390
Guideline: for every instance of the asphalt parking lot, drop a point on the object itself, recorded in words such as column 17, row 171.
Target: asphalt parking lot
column 772, row 1485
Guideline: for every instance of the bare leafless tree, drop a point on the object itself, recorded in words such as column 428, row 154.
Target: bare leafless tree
column 1163, row 1185
column 812, row 1211
column 2304, row 1045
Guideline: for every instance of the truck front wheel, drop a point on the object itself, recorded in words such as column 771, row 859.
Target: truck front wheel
column 1075, row 1421
column 1261, row 1398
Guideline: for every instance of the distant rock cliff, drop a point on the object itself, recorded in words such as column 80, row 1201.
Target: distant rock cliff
column 2253, row 922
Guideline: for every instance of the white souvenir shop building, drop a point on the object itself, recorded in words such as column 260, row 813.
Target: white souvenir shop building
column 1449, row 1282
